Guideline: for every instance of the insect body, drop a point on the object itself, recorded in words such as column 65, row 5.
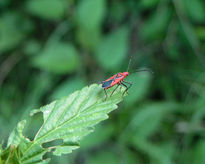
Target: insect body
column 117, row 79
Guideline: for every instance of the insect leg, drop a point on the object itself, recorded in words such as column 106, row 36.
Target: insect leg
column 130, row 84
column 114, row 90
column 125, row 89
column 120, row 86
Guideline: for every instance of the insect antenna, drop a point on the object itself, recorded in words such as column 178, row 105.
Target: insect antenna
column 145, row 69
column 129, row 63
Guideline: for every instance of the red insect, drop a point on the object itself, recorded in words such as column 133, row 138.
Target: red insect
column 118, row 79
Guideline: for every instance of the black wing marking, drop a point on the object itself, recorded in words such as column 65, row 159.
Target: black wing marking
column 107, row 83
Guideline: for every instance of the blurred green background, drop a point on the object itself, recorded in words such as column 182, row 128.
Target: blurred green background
column 50, row 48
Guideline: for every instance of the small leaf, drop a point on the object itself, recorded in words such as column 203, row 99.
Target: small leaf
column 48, row 9
column 57, row 58
column 112, row 50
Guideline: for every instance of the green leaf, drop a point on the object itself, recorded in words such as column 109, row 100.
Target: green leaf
column 198, row 153
column 90, row 13
column 195, row 9
column 149, row 3
column 48, row 9
column 200, row 31
column 156, row 26
column 70, row 119
column 89, row 24
column 57, row 58
column 112, row 50
column 1, row 150
column 10, row 31
column 17, row 134
column 88, row 38
column 11, row 153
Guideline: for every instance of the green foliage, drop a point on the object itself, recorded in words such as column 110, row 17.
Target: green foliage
column 198, row 156
column 50, row 48
column 116, row 44
column 158, row 22
column 89, row 16
column 140, row 88
column 146, row 121
column 10, row 31
column 90, row 141
column 149, row 3
column 69, row 119
column 192, row 7
column 53, row 10
column 104, row 157
column 155, row 152
column 48, row 60
column 68, row 87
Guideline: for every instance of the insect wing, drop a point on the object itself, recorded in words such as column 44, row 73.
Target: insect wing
column 107, row 83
